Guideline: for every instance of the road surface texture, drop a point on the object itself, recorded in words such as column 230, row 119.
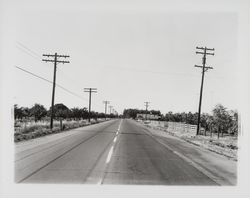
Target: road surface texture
column 119, row 151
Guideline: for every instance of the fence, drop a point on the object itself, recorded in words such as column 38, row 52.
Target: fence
column 174, row 127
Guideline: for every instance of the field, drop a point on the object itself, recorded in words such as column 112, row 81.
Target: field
column 25, row 130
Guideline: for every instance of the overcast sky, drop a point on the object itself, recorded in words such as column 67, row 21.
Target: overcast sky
column 131, row 54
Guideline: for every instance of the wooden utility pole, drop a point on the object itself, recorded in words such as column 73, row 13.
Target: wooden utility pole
column 90, row 91
column 146, row 105
column 204, row 52
column 110, row 109
column 55, row 61
column 106, row 103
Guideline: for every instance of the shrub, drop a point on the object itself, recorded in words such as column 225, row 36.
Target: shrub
column 56, row 129
column 32, row 130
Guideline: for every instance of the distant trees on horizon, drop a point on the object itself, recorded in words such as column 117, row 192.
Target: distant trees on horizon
column 61, row 111
column 220, row 120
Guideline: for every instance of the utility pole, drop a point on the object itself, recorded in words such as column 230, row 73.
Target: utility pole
column 55, row 61
column 90, row 91
column 146, row 104
column 106, row 103
column 110, row 109
column 205, row 51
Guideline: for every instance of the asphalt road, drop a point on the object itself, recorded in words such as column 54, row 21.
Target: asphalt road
column 113, row 152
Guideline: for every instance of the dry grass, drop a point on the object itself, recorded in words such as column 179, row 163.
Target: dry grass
column 30, row 130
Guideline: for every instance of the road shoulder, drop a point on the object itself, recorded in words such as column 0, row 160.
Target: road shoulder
column 219, row 168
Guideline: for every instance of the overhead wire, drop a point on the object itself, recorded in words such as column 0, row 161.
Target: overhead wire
column 31, row 51
column 42, row 78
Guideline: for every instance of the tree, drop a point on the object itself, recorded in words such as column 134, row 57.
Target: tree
column 84, row 113
column 130, row 113
column 221, row 119
column 190, row 118
column 61, row 111
column 169, row 116
column 38, row 111
column 205, row 121
column 21, row 112
column 26, row 112
column 234, row 124
column 17, row 112
column 76, row 113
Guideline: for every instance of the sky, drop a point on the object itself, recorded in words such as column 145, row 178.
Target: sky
column 132, row 51
column 131, row 54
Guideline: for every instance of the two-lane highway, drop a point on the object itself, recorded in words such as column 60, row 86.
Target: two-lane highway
column 114, row 152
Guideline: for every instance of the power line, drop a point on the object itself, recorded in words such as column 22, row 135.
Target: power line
column 55, row 61
column 28, row 49
column 71, row 80
column 152, row 72
column 65, row 89
column 27, row 52
column 35, row 55
column 204, row 52
column 58, row 85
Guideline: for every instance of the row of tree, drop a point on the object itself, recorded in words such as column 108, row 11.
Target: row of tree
column 132, row 113
column 220, row 121
column 38, row 112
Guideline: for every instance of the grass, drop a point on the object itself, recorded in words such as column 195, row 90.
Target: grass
column 31, row 130
column 226, row 145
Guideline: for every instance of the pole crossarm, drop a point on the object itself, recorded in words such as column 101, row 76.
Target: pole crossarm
column 207, row 53
column 204, row 69
column 202, row 48
column 207, row 67
column 58, row 61
column 55, row 61
column 93, row 90
column 59, row 56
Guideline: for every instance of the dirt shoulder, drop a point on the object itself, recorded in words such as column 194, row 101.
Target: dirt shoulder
column 220, row 167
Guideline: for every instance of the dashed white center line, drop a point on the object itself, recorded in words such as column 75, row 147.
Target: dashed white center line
column 111, row 151
column 110, row 154
column 119, row 126
column 100, row 182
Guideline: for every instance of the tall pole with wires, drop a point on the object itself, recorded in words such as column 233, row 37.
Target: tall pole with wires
column 106, row 103
column 110, row 109
column 146, row 105
column 55, row 61
column 204, row 51
column 90, row 91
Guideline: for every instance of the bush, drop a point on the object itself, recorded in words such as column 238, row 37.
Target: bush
column 34, row 130
column 55, row 129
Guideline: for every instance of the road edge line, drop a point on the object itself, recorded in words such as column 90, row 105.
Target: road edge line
column 214, row 178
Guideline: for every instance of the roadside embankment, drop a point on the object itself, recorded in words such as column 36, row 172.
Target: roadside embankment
column 227, row 145
column 39, row 129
